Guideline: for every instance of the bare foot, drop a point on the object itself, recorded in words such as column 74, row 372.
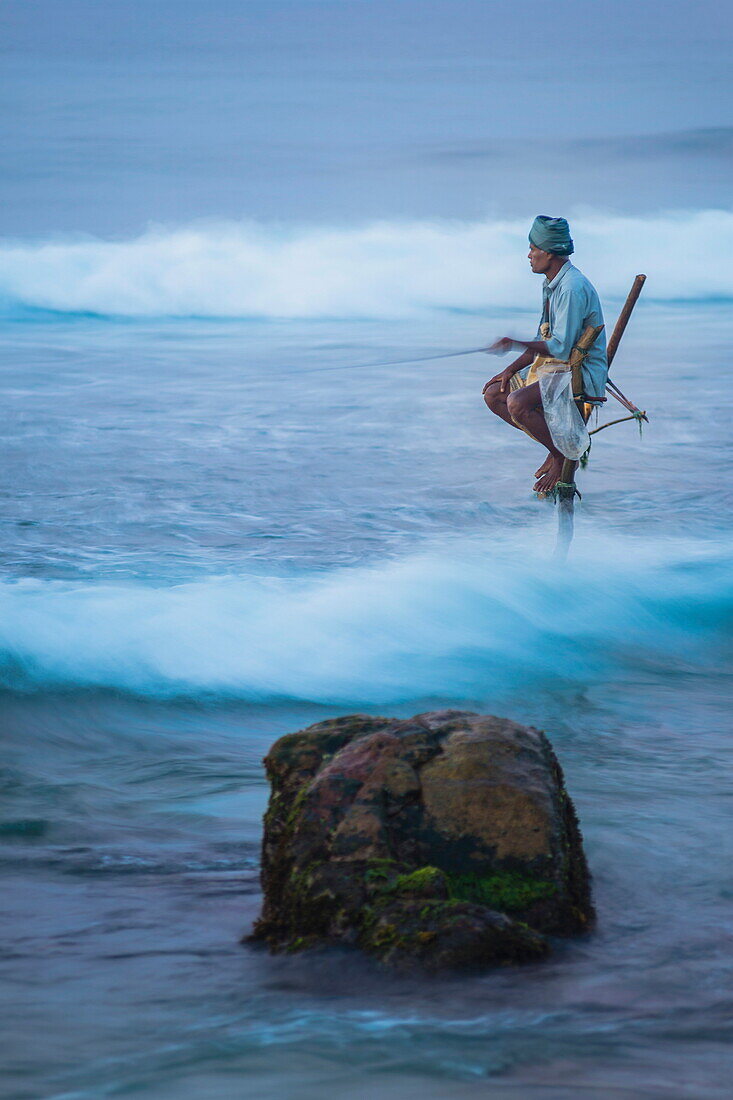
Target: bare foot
column 550, row 479
column 545, row 466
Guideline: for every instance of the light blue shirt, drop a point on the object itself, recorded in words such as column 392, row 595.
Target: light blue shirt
column 570, row 303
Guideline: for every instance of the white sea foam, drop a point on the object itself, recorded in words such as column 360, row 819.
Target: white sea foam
column 385, row 269
column 440, row 624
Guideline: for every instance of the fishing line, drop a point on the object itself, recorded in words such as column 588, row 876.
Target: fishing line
column 613, row 389
column 398, row 362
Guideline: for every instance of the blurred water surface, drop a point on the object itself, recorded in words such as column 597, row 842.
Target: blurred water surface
column 210, row 540
column 222, row 520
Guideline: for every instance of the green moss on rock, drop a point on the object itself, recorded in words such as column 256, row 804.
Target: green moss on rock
column 407, row 932
column 380, row 871
column 424, row 882
column 507, row 891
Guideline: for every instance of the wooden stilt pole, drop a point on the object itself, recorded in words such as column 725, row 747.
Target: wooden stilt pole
column 566, row 490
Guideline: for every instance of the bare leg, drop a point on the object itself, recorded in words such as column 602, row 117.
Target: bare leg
column 497, row 402
column 525, row 406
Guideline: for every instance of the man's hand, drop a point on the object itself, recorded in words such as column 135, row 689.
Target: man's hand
column 504, row 377
column 501, row 347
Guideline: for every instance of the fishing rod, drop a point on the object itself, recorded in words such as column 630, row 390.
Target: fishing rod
column 623, row 400
column 566, row 490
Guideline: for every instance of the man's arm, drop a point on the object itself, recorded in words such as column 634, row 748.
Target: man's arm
column 532, row 348
column 569, row 310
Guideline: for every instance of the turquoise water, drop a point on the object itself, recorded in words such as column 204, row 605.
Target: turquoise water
column 222, row 519
column 209, row 541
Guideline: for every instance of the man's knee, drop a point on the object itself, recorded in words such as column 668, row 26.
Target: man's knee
column 493, row 396
column 515, row 405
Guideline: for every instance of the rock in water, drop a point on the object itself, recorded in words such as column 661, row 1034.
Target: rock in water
column 446, row 840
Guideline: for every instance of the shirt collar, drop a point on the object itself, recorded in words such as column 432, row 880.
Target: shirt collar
column 560, row 275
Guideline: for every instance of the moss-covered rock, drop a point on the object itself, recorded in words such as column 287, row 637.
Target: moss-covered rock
column 424, row 882
column 445, row 840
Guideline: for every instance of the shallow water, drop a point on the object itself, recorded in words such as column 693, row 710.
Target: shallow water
column 209, row 541
column 222, row 520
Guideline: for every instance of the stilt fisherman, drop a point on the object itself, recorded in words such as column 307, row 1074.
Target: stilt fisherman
column 534, row 392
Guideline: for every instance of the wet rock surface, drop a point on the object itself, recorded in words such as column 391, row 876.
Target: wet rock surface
column 442, row 841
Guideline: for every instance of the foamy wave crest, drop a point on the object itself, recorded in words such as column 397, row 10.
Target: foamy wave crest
column 381, row 270
column 468, row 625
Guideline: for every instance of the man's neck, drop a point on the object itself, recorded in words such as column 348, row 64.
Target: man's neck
column 555, row 266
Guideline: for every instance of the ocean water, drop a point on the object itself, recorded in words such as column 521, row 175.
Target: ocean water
column 230, row 508
column 210, row 540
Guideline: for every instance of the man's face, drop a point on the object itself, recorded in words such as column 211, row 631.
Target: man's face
column 539, row 260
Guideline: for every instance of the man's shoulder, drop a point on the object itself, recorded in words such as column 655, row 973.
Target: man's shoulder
column 576, row 282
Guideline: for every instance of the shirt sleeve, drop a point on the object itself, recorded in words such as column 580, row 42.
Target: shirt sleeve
column 567, row 324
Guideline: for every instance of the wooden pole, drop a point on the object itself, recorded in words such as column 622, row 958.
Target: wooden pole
column 588, row 338
column 566, row 488
column 623, row 317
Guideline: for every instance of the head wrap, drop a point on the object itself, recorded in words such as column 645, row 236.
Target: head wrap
column 551, row 235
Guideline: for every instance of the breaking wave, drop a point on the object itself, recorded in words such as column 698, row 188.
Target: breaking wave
column 443, row 625
column 385, row 269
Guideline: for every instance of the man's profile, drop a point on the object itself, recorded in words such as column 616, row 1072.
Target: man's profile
column 524, row 393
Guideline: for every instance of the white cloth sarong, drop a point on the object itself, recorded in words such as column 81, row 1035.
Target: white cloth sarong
column 564, row 421
column 566, row 425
